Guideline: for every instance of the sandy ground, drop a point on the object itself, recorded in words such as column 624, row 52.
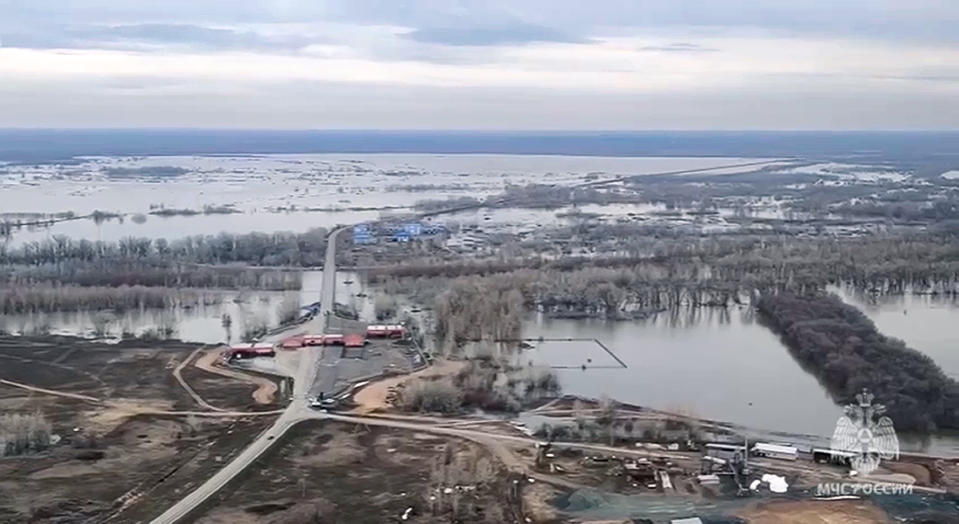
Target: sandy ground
column 815, row 512
column 265, row 391
column 373, row 396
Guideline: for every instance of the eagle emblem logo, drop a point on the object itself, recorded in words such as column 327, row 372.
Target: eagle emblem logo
column 866, row 438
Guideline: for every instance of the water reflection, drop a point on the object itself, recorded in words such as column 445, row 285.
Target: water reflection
column 710, row 362
column 221, row 317
column 924, row 322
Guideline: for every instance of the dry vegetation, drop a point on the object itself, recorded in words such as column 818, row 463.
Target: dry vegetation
column 481, row 383
column 21, row 434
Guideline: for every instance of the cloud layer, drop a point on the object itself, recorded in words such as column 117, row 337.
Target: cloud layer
column 507, row 64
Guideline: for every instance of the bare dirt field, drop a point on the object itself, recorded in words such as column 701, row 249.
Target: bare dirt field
column 112, row 462
column 334, row 472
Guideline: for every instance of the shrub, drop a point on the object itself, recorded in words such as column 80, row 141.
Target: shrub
column 20, row 434
column 431, row 395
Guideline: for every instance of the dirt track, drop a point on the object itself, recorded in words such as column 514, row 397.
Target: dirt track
column 49, row 391
column 265, row 391
column 373, row 396
column 178, row 374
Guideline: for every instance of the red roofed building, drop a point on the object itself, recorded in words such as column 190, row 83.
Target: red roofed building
column 354, row 340
column 292, row 343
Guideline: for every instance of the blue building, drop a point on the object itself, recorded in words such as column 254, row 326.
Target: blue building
column 362, row 234
column 414, row 229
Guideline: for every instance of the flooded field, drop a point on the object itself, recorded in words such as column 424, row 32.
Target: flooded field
column 278, row 192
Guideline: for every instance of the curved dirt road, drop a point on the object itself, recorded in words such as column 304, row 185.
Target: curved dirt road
column 265, row 390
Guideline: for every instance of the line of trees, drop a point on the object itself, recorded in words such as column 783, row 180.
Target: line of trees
column 842, row 347
column 104, row 273
column 657, row 273
column 267, row 249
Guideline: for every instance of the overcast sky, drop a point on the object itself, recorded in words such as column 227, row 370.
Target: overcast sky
column 489, row 64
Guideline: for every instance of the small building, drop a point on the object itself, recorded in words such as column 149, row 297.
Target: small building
column 724, row 451
column 414, row 229
column 323, row 340
column 292, row 343
column 775, row 451
column 385, row 331
column 834, row 456
column 466, row 241
column 364, row 239
column 362, row 234
column 707, row 480
column 354, row 340
column 401, row 236
column 251, row 351
column 641, row 471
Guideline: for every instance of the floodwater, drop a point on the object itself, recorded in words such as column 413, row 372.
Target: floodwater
column 202, row 323
column 721, row 365
column 710, row 363
column 926, row 323
column 279, row 192
column 155, row 227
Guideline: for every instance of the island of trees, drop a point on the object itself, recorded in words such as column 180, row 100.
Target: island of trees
column 844, row 350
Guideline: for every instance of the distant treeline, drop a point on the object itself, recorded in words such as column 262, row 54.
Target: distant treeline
column 269, row 249
column 926, row 261
column 843, row 348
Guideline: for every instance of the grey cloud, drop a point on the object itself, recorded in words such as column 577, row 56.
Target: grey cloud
column 886, row 19
column 518, row 33
column 40, row 23
column 679, row 47
column 203, row 36
column 124, row 36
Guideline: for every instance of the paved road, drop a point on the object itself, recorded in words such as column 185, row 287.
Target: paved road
column 297, row 411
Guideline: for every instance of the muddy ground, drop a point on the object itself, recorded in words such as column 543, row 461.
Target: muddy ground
column 113, row 463
column 333, row 472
